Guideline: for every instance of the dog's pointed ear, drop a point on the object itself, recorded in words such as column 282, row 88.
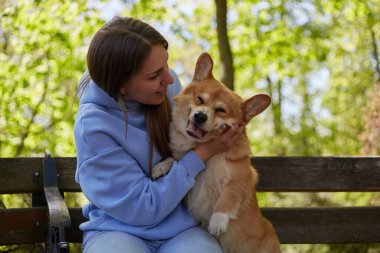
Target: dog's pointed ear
column 203, row 68
column 255, row 105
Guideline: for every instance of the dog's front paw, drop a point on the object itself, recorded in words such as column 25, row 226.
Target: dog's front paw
column 162, row 168
column 218, row 223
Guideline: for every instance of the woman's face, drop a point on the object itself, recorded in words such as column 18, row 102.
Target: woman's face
column 149, row 85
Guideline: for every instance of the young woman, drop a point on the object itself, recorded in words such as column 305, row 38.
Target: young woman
column 121, row 132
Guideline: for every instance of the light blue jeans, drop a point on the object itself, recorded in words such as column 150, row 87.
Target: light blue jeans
column 193, row 240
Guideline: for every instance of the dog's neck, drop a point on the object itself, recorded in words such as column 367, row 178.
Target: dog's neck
column 241, row 150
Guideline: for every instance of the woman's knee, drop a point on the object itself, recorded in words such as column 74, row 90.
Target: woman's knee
column 193, row 240
column 115, row 242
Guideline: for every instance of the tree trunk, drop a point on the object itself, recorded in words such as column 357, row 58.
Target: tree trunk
column 227, row 67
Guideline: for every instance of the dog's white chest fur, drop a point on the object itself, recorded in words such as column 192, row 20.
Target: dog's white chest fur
column 207, row 189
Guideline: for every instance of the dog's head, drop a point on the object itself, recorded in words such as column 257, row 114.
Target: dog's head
column 205, row 107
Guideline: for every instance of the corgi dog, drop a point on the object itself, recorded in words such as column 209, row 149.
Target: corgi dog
column 223, row 198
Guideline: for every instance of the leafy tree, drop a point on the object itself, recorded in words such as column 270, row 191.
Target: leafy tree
column 42, row 57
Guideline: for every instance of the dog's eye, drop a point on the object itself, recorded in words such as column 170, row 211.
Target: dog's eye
column 220, row 109
column 199, row 100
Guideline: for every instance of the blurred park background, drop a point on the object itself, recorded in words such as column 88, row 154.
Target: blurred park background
column 318, row 59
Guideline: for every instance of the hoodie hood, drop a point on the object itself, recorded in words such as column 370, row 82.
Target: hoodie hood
column 92, row 93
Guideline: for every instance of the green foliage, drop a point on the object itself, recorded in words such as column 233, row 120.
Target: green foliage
column 42, row 57
column 279, row 48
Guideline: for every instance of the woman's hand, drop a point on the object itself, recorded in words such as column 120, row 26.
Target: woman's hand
column 221, row 144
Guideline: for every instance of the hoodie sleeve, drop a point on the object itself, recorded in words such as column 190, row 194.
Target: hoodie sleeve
column 114, row 181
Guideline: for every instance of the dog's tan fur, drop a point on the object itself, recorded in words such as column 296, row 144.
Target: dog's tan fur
column 224, row 195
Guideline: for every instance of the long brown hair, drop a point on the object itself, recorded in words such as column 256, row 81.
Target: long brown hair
column 117, row 52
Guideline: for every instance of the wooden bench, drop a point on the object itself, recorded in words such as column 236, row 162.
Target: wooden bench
column 294, row 225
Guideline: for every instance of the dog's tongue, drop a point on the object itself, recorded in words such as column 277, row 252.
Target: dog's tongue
column 194, row 131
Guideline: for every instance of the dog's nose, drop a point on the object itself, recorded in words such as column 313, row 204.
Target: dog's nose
column 200, row 117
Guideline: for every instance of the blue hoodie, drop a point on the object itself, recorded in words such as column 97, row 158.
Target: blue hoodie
column 113, row 171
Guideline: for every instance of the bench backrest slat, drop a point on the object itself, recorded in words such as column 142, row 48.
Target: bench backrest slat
column 293, row 225
column 318, row 174
column 24, row 175
column 300, row 225
column 29, row 225
column 21, row 175
column 23, row 225
column 277, row 174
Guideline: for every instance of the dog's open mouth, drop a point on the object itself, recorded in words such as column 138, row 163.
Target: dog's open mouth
column 195, row 131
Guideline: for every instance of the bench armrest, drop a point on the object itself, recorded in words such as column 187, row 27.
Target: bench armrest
column 59, row 217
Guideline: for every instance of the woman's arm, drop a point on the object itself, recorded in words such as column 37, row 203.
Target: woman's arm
column 112, row 179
